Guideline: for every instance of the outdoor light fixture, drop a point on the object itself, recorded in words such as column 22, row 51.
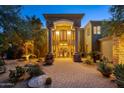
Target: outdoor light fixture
column 63, row 44
column 69, row 32
column 57, row 32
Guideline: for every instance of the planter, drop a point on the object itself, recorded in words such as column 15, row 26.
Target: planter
column 106, row 74
column 2, row 69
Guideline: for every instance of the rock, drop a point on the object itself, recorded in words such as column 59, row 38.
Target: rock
column 25, row 76
column 2, row 69
column 37, row 82
column 6, row 85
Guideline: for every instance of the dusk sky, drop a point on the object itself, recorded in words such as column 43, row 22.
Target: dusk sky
column 92, row 12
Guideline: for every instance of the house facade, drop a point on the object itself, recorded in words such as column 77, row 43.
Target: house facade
column 92, row 34
column 63, row 35
column 66, row 38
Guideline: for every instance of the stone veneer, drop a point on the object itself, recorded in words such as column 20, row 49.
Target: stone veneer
column 118, row 49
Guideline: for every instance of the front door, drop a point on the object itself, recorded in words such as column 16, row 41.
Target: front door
column 63, row 52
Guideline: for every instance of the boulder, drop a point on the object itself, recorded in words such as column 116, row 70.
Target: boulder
column 25, row 76
column 6, row 85
column 37, row 82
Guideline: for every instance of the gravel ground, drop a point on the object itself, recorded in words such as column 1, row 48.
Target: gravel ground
column 67, row 74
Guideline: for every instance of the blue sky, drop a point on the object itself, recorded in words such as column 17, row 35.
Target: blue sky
column 92, row 12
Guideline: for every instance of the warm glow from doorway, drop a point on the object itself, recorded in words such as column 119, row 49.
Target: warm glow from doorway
column 57, row 32
column 63, row 44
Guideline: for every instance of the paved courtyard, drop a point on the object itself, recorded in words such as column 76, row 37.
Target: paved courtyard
column 68, row 74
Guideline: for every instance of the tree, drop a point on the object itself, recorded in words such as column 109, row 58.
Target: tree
column 40, row 38
column 8, row 17
column 116, row 24
column 17, row 30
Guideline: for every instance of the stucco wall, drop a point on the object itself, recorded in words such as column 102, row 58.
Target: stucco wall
column 106, row 48
column 88, row 38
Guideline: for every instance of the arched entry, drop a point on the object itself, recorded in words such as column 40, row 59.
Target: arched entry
column 60, row 28
column 63, row 38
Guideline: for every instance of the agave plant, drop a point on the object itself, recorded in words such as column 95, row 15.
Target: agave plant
column 15, row 75
column 105, row 68
column 119, row 74
column 34, row 70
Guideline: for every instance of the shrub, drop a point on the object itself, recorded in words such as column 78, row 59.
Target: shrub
column 48, row 81
column 20, row 72
column 2, row 63
column 14, row 52
column 34, row 70
column 119, row 74
column 89, row 61
column 105, row 68
column 95, row 55
column 15, row 75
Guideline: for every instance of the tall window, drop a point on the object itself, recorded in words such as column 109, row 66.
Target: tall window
column 97, row 30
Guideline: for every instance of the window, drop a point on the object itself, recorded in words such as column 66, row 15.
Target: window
column 98, row 30
column 95, row 30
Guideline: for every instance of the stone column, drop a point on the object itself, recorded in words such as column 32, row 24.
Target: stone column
column 49, row 40
column 76, row 40
column 49, row 57
column 77, row 56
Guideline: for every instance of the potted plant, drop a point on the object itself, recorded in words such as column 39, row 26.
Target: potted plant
column 89, row 61
column 106, row 68
column 119, row 74
column 95, row 55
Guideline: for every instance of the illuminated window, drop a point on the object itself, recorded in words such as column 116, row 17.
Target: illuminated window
column 98, row 30
column 94, row 30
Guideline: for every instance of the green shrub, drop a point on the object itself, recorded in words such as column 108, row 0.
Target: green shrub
column 2, row 63
column 34, row 70
column 119, row 74
column 12, row 76
column 15, row 75
column 89, row 61
column 95, row 55
column 20, row 72
column 48, row 81
column 105, row 68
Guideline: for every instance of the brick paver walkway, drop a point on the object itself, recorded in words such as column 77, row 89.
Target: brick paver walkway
column 68, row 74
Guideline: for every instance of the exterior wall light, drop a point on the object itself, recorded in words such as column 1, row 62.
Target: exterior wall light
column 57, row 32
column 69, row 32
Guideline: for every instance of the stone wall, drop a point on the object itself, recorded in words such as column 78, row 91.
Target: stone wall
column 118, row 49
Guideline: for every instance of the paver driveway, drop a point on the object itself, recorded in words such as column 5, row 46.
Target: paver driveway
column 68, row 74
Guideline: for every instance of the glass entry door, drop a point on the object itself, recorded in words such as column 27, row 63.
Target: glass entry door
column 63, row 52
